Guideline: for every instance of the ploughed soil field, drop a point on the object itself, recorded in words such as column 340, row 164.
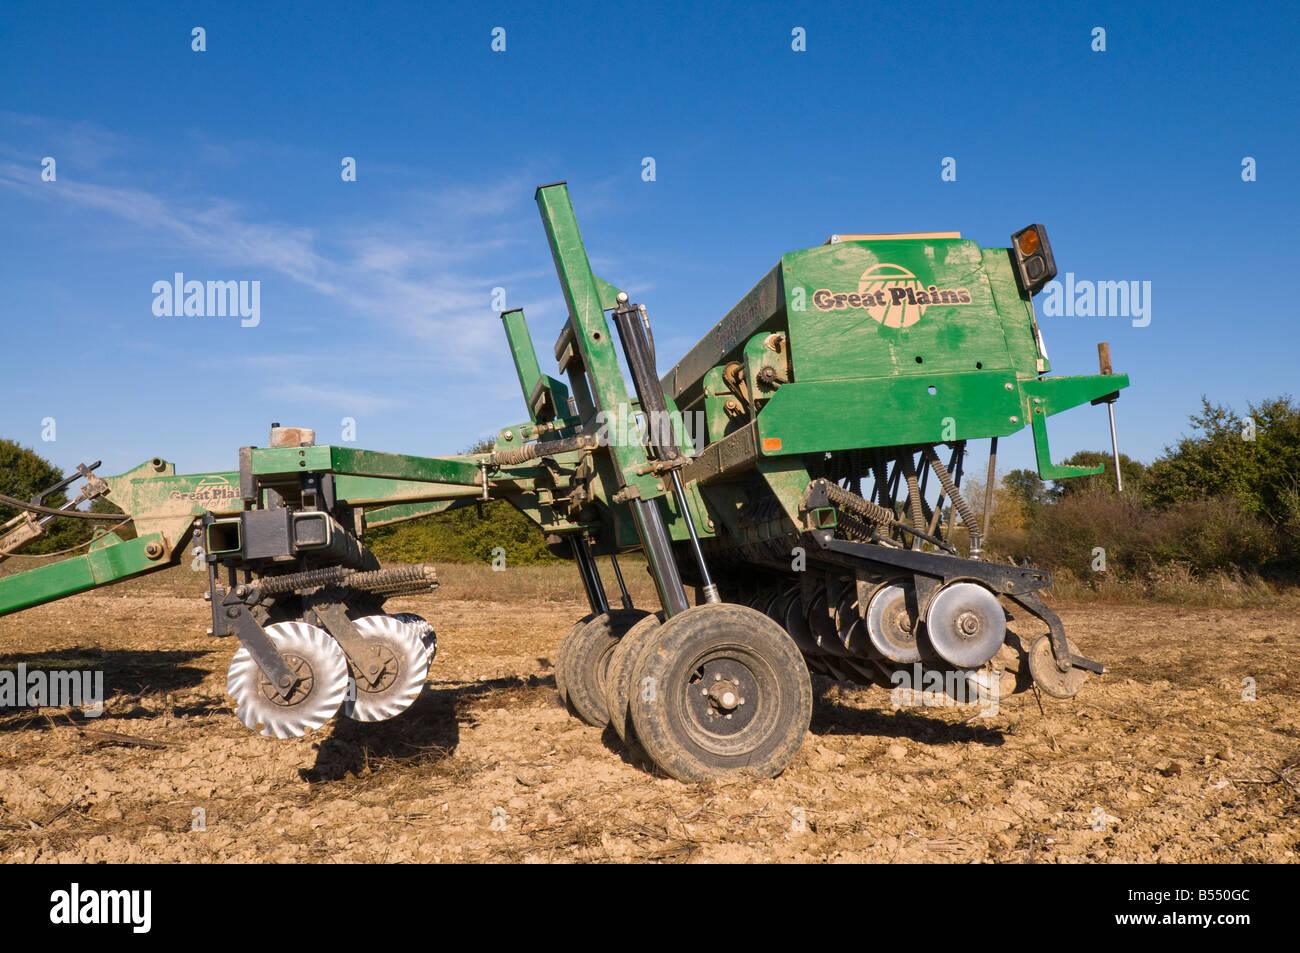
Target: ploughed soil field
column 1162, row 759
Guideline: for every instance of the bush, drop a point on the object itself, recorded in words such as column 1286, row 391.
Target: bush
column 1201, row 537
column 463, row 536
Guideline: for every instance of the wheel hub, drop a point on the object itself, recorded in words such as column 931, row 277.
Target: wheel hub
column 305, row 680
column 724, row 695
column 720, row 696
column 380, row 670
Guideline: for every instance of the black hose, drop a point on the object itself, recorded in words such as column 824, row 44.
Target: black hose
column 959, row 501
column 51, row 511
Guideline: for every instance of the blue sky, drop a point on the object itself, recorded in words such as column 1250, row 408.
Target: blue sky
column 376, row 294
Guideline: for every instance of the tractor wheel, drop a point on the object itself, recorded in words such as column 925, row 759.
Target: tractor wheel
column 618, row 677
column 587, row 659
column 728, row 693
column 1042, row 665
column 561, row 654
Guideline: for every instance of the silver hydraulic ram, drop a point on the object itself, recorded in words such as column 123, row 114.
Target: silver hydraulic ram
column 632, row 323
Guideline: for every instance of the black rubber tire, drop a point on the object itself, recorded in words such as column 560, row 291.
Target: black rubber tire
column 675, row 723
column 618, row 677
column 561, row 653
column 587, row 658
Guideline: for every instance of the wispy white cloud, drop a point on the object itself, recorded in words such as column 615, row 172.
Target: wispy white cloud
column 423, row 268
column 30, row 138
column 214, row 229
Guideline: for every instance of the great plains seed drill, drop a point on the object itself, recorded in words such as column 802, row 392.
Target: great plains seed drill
column 790, row 468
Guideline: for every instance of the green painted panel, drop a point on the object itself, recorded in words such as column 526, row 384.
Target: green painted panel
column 1016, row 313
column 865, row 309
column 846, row 415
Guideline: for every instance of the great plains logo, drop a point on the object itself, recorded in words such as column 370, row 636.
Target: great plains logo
column 892, row 295
column 214, row 489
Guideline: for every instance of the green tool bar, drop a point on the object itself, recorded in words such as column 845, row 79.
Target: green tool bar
column 545, row 396
column 405, row 511
column 283, row 461
column 587, row 298
column 521, row 348
column 79, row 573
column 1051, row 395
column 372, row 491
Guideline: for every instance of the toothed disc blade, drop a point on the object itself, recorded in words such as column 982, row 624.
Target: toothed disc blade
column 423, row 629
column 403, row 665
column 322, row 670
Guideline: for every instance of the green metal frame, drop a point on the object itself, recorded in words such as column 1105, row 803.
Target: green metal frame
column 968, row 370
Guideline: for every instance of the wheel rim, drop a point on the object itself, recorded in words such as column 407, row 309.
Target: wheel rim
column 704, row 706
column 302, row 671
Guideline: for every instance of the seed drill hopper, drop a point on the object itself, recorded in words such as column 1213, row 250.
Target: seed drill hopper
column 799, row 471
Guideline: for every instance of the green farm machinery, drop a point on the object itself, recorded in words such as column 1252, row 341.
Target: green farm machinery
column 798, row 472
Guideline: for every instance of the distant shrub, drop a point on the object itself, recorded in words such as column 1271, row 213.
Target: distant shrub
column 463, row 536
column 1193, row 539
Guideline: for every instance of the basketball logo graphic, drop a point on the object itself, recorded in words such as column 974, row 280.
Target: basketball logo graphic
column 893, row 313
